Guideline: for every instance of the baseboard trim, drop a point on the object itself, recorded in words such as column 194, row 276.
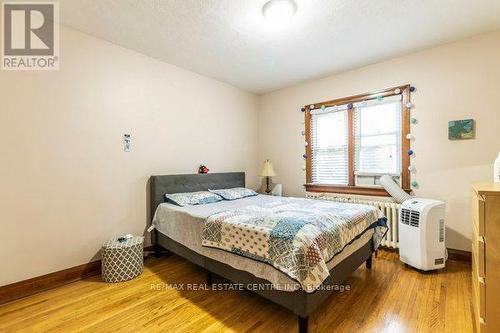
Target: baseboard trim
column 38, row 284
column 453, row 254
column 460, row 255
column 150, row 248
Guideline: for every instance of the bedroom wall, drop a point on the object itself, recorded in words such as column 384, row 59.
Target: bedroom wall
column 66, row 183
column 454, row 81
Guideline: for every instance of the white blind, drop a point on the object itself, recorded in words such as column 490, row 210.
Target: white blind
column 329, row 146
column 377, row 137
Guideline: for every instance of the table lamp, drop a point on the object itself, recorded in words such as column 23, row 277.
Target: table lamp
column 268, row 172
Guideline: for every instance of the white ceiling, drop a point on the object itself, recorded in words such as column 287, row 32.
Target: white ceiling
column 231, row 41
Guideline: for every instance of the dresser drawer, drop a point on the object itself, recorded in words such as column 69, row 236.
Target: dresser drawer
column 479, row 301
column 475, row 304
column 482, row 301
column 478, row 213
column 478, row 254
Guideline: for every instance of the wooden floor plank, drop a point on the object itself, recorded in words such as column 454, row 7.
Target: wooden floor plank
column 389, row 298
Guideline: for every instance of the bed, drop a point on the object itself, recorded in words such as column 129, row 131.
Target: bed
column 180, row 230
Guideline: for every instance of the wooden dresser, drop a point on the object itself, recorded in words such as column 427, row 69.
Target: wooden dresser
column 486, row 256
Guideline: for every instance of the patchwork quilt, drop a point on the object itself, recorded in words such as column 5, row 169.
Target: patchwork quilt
column 296, row 236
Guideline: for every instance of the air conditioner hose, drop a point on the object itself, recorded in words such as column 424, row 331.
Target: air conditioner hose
column 393, row 188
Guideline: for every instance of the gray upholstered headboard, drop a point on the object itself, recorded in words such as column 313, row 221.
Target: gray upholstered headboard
column 160, row 185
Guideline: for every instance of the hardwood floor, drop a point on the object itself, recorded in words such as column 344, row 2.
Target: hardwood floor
column 389, row 298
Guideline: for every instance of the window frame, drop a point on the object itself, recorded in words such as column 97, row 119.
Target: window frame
column 351, row 188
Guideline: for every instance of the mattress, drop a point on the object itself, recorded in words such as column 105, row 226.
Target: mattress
column 185, row 225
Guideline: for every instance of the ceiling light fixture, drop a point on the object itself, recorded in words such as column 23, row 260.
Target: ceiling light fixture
column 279, row 10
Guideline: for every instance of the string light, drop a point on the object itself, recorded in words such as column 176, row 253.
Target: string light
column 409, row 136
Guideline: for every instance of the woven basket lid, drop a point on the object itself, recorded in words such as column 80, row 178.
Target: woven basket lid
column 113, row 243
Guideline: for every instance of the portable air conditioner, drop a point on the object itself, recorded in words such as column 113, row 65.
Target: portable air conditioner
column 422, row 233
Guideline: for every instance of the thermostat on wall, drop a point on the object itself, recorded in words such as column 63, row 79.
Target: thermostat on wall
column 127, row 143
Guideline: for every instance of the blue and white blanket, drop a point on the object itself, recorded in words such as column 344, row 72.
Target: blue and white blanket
column 296, row 236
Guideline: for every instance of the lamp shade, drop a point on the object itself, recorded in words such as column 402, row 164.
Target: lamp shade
column 267, row 170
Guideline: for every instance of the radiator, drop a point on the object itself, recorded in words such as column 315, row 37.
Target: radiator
column 389, row 209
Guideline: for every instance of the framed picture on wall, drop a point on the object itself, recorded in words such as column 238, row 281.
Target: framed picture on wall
column 461, row 129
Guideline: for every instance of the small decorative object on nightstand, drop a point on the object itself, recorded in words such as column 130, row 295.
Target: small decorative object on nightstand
column 267, row 172
column 277, row 190
column 122, row 258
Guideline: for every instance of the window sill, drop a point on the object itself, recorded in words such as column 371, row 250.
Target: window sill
column 344, row 189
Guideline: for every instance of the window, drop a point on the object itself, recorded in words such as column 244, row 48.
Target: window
column 377, row 141
column 353, row 141
column 330, row 148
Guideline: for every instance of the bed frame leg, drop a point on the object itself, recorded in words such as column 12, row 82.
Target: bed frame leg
column 303, row 321
column 154, row 241
column 369, row 263
column 157, row 251
column 209, row 279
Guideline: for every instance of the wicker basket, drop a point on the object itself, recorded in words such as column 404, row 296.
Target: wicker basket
column 122, row 261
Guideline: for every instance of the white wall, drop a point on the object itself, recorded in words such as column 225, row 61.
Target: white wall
column 66, row 184
column 455, row 81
